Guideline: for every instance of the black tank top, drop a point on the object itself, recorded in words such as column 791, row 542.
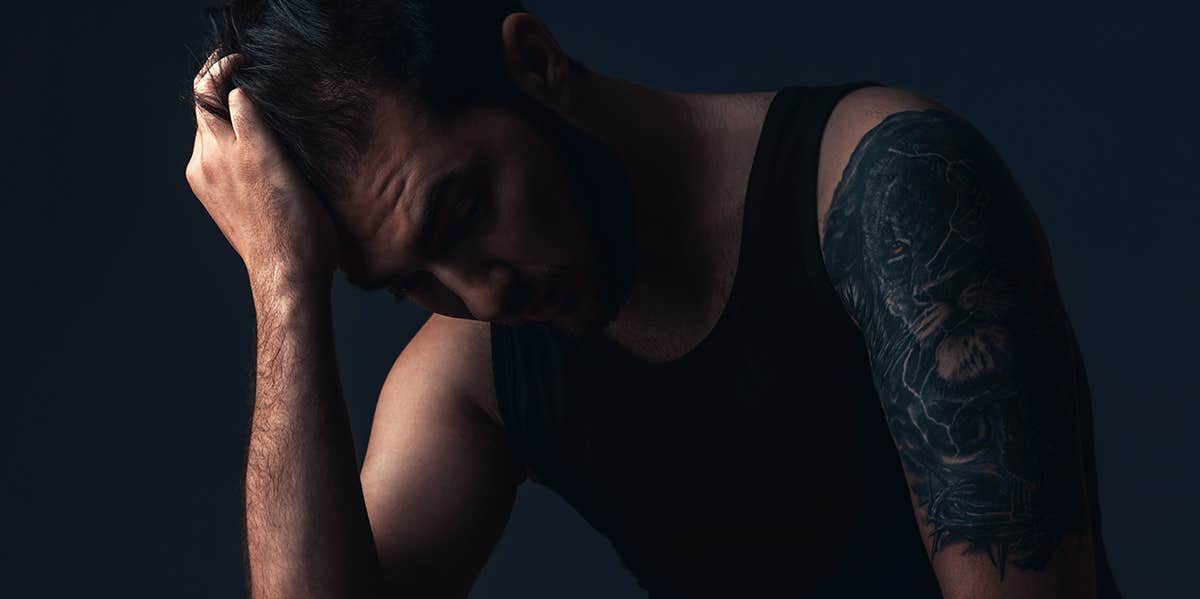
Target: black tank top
column 758, row 464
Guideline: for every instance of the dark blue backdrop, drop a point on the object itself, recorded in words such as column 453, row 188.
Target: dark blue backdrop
column 129, row 327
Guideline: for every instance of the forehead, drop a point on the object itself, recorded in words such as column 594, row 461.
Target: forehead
column 409, row 145
column 400, row 136
column 387, row 195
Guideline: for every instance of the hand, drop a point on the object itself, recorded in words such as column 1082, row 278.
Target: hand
column 265, row 208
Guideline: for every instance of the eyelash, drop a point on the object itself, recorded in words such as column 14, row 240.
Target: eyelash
column 469, row 223
column 466, row 225
column 474, row 216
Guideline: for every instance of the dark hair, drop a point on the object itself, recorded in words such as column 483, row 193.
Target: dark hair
column 313, row 68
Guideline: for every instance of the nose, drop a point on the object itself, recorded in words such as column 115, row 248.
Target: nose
column 485, row 288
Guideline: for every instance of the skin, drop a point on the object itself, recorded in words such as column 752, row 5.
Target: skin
column 531, row 239
column 436, row 487
column 939, row 259
column 300, row 439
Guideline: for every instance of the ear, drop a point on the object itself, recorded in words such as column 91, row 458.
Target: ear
column 534, row 61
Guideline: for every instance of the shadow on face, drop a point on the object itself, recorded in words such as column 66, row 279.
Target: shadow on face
column 505, row 214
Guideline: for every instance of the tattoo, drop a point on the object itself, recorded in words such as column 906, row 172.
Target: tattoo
column 940, row 261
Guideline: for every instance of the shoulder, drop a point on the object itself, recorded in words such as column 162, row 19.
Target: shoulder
column 913, row 194
column 855, row 116
column 454, row 355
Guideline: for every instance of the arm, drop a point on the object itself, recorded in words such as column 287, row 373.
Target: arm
column 437, row 485
column 307, row 531
column 940, row 261
column 438, row 478
column 438, row 482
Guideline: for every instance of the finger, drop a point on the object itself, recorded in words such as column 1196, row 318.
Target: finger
column 211, row 78
column 247, row 125
column 210, row 124
column 209, row 86
column 208, row 63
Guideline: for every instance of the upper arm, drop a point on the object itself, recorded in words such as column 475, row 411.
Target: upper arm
column 438, row 478
column 939, row 259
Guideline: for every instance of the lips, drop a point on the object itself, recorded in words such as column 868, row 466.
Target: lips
column 523, row 305
column 528, row 304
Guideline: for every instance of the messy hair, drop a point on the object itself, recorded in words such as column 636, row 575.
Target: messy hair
column 314, row 68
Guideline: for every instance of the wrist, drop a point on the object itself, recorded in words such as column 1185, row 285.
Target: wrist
column 278, row 280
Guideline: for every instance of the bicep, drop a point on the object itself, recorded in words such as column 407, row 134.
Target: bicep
column 438, row 478
column 940, row 261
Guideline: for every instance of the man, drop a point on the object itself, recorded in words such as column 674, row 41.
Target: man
column 682, row 312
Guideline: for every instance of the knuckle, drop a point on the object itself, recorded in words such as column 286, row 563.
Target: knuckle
column 196, row 179
column 193, row 166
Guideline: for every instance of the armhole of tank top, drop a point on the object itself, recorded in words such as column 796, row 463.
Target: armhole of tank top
column 503, row 343
column 814, row 261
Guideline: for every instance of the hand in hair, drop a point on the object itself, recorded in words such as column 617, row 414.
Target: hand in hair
column 264, row 207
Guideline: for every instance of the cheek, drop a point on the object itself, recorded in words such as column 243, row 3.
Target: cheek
column 538, row 224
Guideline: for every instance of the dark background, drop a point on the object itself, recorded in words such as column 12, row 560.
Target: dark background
column 128, row 324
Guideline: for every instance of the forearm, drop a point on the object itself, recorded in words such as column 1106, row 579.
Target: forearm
column 307, row 530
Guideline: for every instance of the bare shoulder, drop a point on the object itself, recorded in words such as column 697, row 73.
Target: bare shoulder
column 856, row 114
column 454, row 355
column 439, row 478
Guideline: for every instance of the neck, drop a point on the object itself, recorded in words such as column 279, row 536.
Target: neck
column 657, row 134
column 683, row 154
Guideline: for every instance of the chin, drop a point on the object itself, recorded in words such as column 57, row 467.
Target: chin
column 577, row 310
column 586, row 317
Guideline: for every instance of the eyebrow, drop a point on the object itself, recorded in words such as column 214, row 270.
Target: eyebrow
column 425, row 211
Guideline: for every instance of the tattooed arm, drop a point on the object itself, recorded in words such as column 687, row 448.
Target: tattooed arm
column 940, row 261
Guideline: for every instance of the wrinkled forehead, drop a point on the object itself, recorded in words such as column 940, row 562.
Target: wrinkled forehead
column 401, row 137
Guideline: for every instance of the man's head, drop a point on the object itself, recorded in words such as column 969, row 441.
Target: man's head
column 433, row 132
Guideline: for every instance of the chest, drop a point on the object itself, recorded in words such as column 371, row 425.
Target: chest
column 760, row 437
column 746, row 433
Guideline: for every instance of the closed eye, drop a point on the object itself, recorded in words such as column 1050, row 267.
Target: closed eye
column 471, row 216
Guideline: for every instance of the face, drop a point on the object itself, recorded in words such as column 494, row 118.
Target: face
column 490, row 215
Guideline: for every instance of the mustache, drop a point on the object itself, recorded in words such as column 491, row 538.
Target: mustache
column 538, row 284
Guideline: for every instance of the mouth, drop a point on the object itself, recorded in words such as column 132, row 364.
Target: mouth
column 524, row 306
column 553, row 303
